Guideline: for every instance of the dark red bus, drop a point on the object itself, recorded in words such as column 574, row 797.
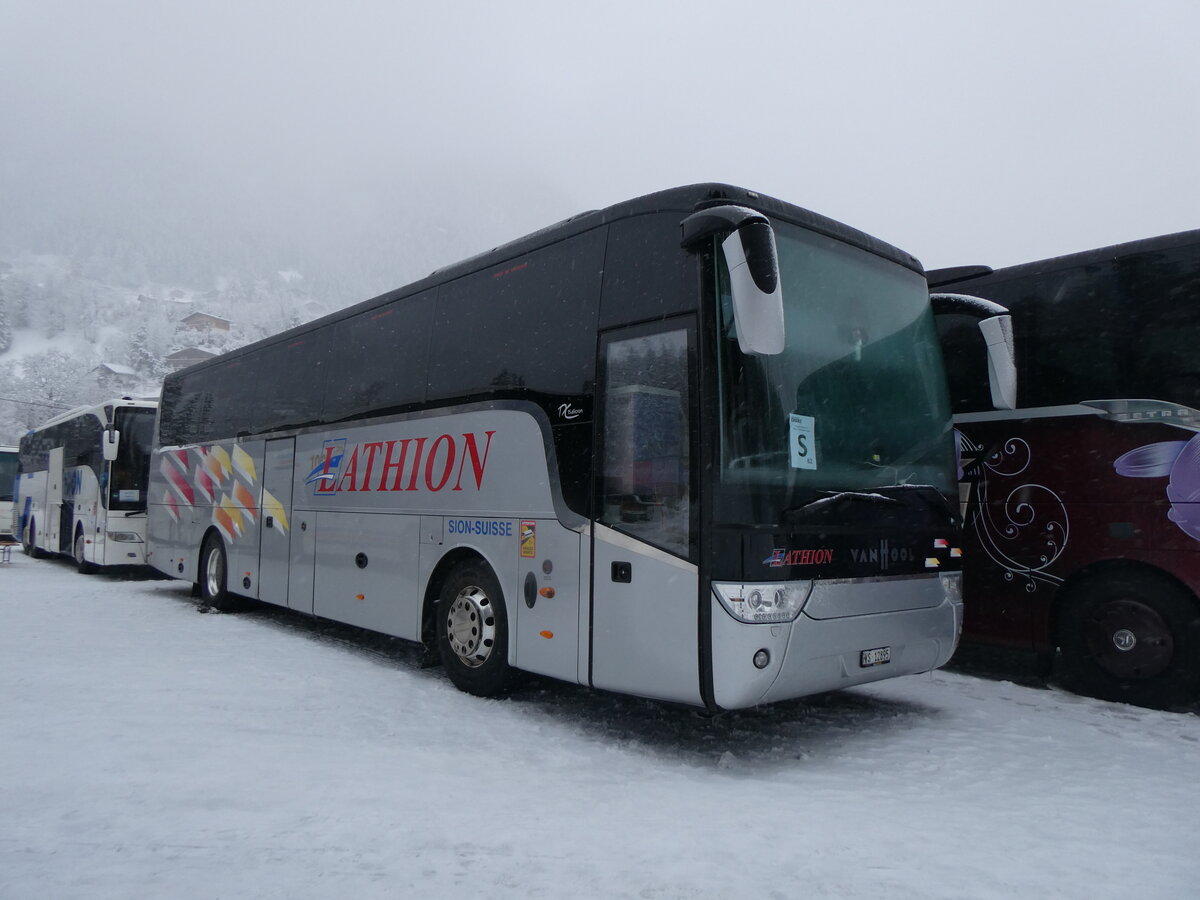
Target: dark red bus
column 1083, row 529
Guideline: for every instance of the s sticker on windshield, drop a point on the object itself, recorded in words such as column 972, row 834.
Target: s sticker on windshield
column 803, row 442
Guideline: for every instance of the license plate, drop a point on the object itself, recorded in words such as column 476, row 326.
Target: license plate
column 876, row 657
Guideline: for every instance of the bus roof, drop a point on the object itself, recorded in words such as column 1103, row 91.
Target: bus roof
column 96, row 408
column 941, row 277
column 683, row 200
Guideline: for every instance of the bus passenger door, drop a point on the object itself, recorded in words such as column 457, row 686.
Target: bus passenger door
column 51, row 528
column 645, row 583
column 274, row 553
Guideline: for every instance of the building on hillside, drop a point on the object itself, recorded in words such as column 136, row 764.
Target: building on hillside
column 115, row 378
column 188, row 356
column 205, row 322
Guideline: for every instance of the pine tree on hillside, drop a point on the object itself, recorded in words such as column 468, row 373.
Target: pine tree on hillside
column 141, row 357
column 52, row 380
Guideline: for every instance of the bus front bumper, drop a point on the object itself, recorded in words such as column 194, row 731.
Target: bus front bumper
column 812, row 655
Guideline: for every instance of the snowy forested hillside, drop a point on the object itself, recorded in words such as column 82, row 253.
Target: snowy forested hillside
column 89, row 277
column 67, row 339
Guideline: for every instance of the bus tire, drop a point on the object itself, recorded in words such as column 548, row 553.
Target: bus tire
column 214, row 576
column 31, row 548
column 472, row 626
column 1130, row 637
column 77, row 551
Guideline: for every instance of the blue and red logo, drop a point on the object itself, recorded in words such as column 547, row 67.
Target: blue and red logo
column 324, row 474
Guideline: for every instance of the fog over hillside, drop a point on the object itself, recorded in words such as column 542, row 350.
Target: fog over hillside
column 103, row 268
column 152, row 148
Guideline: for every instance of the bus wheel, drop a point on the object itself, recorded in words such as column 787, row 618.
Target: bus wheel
column 473, row 631
column 81, row 562
column 30, row 547
column 214, row 575
column 1133, row 638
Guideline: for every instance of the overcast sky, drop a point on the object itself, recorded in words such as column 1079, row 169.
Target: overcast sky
column 963, row 132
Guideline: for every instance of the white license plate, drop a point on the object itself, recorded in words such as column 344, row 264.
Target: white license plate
column 876, row 657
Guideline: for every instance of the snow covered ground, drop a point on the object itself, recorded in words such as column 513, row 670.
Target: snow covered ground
column 147, row 750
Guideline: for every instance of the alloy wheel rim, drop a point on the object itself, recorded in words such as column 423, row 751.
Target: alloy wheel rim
column 215, row 572
column 471, row 626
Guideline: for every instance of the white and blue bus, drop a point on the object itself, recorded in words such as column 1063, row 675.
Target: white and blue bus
column 81, row 484
column 695, row 447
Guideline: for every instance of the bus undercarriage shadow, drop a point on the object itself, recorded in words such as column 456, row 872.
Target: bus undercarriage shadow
column 1026, row 669
column 782, row 734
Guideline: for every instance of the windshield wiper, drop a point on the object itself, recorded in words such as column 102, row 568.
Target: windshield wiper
column 846, row 502
column 830, row 500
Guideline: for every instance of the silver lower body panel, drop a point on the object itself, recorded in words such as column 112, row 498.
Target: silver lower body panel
column 811, row 656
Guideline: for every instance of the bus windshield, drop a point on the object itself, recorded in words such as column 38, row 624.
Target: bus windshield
column 8, row 474
column 856, row 402
column 131, row 469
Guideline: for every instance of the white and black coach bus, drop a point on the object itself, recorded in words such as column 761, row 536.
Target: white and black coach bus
column 81, row 484
column 696, row 446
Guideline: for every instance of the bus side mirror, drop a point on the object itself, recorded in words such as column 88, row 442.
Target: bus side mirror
column 753, row 263
column 1002, row 363
column 110, row 444
column 996, row 326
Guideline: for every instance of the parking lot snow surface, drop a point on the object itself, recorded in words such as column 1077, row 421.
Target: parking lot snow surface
column 148, row 750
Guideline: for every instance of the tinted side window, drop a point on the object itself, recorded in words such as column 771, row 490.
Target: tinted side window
column 82, row 442
column 1164, row 296
column 1080, row 328
column 1121, row 327
column 192, row 412
column 381, row 357
column 645, row 271
column 8, row 474
column 228, row 400
column 1069, row 328
column 286, row 386
column 527, row 325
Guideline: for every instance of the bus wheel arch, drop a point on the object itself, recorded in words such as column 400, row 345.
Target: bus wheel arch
column 212, row 573
column 465, row 613
column 1128, row 632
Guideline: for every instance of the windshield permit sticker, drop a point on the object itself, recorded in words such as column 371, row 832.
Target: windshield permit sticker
column 804, row 448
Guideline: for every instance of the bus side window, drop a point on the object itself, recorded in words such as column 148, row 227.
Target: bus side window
column 1164, row 291
column 965, row 355
column 645, row 464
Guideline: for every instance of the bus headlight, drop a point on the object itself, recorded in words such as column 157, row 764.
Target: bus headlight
column 952, row 585
column 125, row 537
column 763, row 603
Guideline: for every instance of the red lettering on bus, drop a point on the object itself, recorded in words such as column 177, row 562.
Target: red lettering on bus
column 372, row 448
column 416, row 466
column 396, row 465
column 472, row 450
column 350, row 473
column 325, row 486
column 446, row 459
column 429, row 463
